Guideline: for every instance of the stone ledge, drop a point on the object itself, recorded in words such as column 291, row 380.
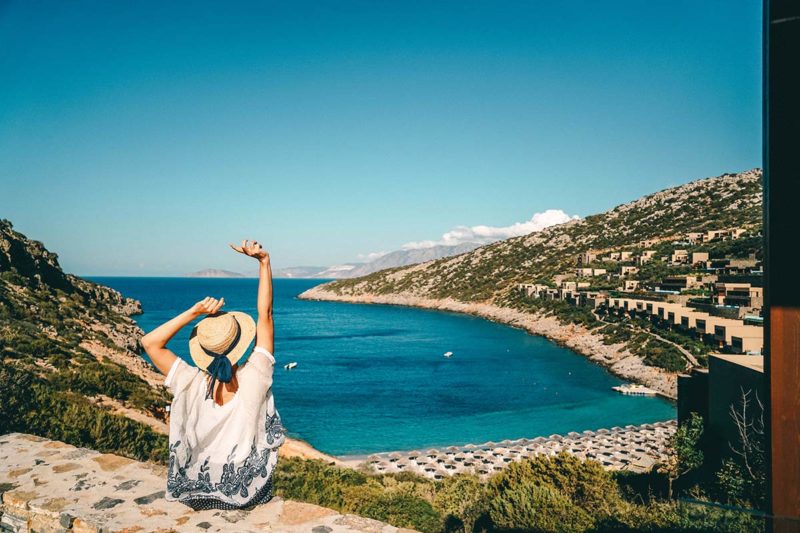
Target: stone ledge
column 49, row 486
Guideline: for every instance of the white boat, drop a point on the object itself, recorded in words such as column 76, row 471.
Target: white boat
column 635, row 390
column 448, row 354
column 290, row 366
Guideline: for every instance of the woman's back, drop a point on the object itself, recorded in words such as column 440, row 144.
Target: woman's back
column 224, row 452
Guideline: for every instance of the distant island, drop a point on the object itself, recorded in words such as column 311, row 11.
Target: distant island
column 215, row 273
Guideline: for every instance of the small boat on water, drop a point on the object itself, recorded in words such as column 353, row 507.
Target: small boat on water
column 448, row 354
column 290, row 366
column 632, row 389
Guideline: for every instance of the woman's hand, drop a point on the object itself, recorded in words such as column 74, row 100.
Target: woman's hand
column 253, row 249
column 208, row 306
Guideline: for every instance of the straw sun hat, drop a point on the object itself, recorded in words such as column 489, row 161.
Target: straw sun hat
column 225, row 334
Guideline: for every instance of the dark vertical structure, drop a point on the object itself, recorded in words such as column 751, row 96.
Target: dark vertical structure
column 782, row 231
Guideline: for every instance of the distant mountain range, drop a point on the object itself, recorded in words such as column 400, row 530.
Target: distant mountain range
column 215, row 273
column 394, row 259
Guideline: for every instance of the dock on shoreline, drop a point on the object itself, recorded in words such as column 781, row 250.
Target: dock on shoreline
column 631, row 448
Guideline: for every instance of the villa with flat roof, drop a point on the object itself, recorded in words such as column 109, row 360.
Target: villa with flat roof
column 728, row 334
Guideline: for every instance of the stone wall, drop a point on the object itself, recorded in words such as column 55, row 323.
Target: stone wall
column 51, row 486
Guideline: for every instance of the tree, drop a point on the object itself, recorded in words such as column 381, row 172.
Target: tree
column 684, row 454
column 743, row 478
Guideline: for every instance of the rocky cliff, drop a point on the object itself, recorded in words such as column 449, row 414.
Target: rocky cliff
column 69, row 354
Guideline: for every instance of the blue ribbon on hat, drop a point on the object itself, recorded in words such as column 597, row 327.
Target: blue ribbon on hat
column 221, row 368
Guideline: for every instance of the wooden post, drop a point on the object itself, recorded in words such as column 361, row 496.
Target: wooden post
column 782, row 243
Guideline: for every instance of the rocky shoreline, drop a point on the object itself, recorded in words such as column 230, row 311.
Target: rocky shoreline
column 615, row 357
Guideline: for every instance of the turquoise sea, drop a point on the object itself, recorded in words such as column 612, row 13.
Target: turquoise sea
column 373, row 378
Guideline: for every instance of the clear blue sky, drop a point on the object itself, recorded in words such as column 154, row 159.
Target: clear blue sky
column 139, row 137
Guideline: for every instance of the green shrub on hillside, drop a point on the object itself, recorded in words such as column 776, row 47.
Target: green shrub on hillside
column 30, row 404
column 542, row 494
column 395, row 499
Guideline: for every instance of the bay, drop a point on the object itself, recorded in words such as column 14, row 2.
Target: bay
column 373, row 378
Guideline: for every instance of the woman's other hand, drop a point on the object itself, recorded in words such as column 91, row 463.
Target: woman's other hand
column 253, row 249
column 208, row 306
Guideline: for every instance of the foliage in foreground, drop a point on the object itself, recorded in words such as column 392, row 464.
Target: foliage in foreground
column 559, row 494
column 31, row 404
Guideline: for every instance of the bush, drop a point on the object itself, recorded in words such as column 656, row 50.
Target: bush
column 537, row 508
column 541, row 493
column 463, row 501
column 398, row 500
column 31, row 405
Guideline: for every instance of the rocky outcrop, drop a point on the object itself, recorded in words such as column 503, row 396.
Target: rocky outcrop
column 51, row 486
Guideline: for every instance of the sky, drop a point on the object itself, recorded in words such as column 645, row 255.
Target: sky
column 139, row 138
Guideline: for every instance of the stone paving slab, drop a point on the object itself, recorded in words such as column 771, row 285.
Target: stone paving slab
column 51, row 486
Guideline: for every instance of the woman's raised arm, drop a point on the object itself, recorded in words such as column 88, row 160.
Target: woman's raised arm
column 265, row 327
column 155, row 342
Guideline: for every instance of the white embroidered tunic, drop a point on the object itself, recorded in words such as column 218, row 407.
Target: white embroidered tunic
column 222, row 457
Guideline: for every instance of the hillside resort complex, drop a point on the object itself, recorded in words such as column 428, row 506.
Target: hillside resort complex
column 717, row 300
column 705, row 287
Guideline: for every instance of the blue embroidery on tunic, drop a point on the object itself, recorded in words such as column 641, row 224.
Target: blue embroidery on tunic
column 233, row 480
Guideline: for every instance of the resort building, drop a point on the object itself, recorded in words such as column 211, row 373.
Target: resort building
column 589, row 272
column 723, row 234
column 679, row 257
column 715, row 392
column 587, row 257
column 644, row 257
column 738, row 294
column 699, row 258
column 532, row 289
column 731, row 335
column 629, row 285
column 734, row 266
column 592, row 299
column 678, row 283
column 694, row 237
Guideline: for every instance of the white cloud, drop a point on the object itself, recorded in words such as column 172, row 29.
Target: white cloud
column 371, row 256
column 487, row 234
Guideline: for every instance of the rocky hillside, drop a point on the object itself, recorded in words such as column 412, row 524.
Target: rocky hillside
column 489, row 272
column 69, row 357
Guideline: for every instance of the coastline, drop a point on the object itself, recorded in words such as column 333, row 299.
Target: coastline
column 615, row 357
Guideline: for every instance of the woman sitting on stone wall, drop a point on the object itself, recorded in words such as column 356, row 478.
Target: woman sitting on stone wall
column 224, row 430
